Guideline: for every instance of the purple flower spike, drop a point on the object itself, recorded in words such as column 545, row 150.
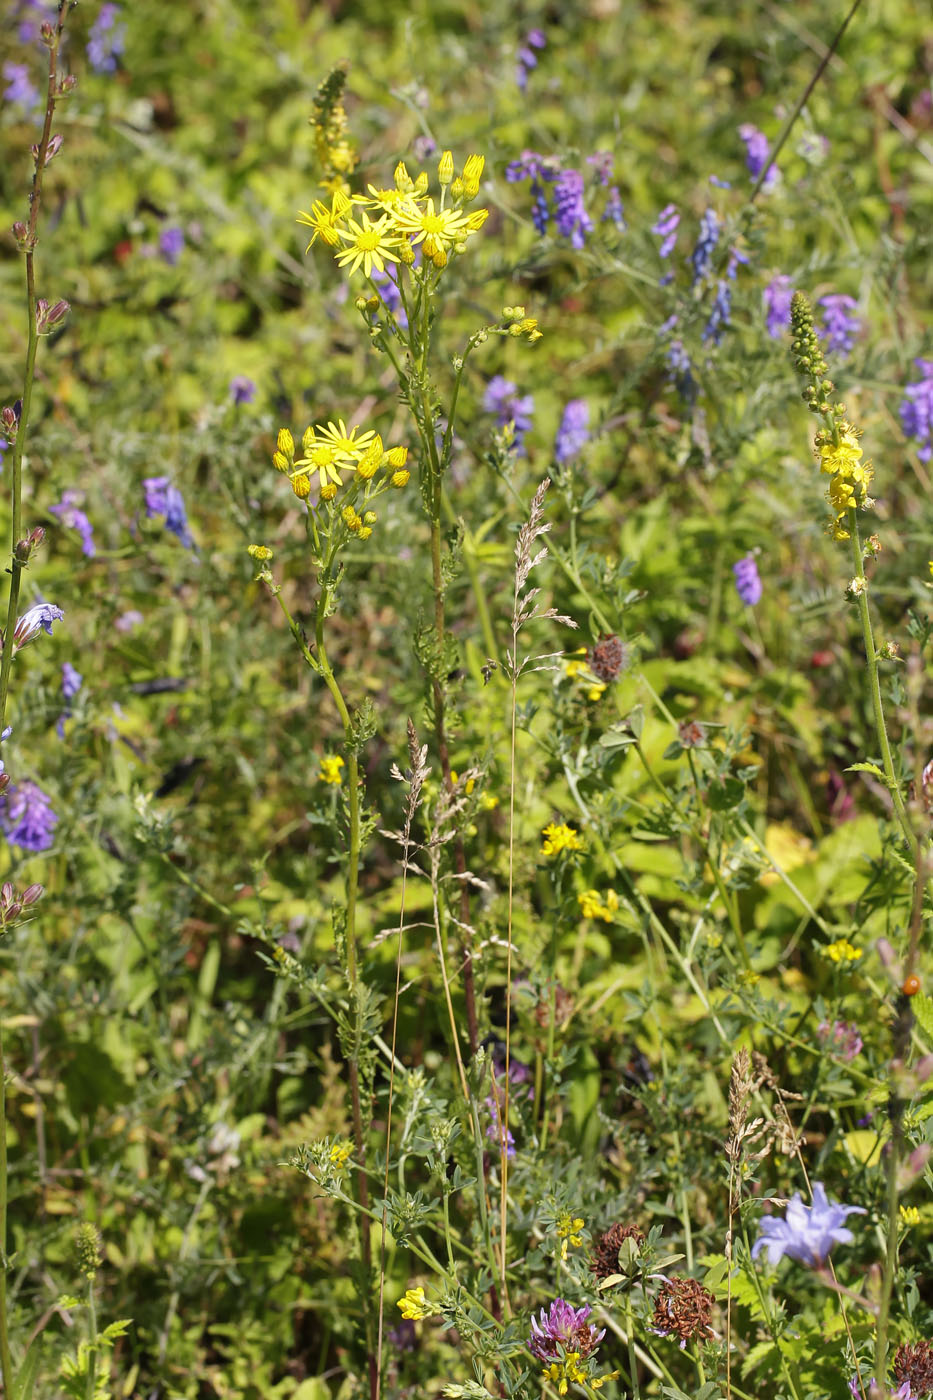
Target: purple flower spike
column 917, row 410
column 69, row 513
column 808, row 1233
column 171, row 243
column 162, row 498
column 21, row 89
column 702, row 255
column 665, row 226
column 747, row 582
column 573, row 433
column 242, row 389
column 26, row 817
column 839, row 327
column 106, row 39
column 502, row 399
column 72, row 681
column 756, row 153
column 562, row 1325
column 570, row 214
column 778, row 295
column 527, row 58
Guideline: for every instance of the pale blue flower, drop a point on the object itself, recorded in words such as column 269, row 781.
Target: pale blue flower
column 807, row 1233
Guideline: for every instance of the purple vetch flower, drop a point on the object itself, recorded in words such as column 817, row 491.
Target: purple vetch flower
column 719, row 314
column 778, row 295
column 171, row 243
column 839, row 327
column 36, row 619
column 842, row 1038
column 31, row 15
column 613, row 210
column 162, row 498
column 917, row 410
column 665, row 226
column 533, row 166
column 242, row 389
column 106, row 39
column 527, row 58
column 387, row 282
column 128, row 620
column 563, row 1326
column 20, row 90
column 756, row 153
column 602, row 162
column 747, row 582
column 26, row 817
column 719, row 184
column 494, row 1131
column 423, row 148
column 702, row 255
column 570, row 214
column 858, row 1388
column 502, row 399
column 72, row 682
column 72, row 517
column 573, row 433
column 681, row 368
column 807, row 1233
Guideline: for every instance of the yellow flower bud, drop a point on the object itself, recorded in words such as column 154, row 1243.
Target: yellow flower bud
column 515, row 329
column 421, row 184
column 406, row 254
column 472, row 173
column 529, row 323
column 401, row 478
column 285, row 442
column 402, row 177
column 398, row 456
column 259, row 551
column 364, row 533
column 280, row 462
column 476, row 220
column 456, row 189
column 535, row 335
column 301, row 485
column 366, row 466
column 439, row 257
column 370, row 517
column 307, row 440
column 350, row 517
column 445, row 169
column 328, row 491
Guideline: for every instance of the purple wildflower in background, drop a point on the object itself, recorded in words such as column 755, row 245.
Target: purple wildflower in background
column 839, row 327
column 678, row 362
column 242, row 389
column 106, row 39
column 72, row 681
column 31, row 15
column 665, row 226
column 747, row 582
column 423, row 148
column 171, row 243
column 387, row 282
column 128, row 620
column 778, row 294
column 21, row 89
column 702, row 255
column 527, row 58
column 494, row 1131
column 570, row 214
column 841, row 1037
column 72, row 517
column 38, row 618
column 573, row 433
column 601, row 162
column 26, row 817
column 162, row 498
column 720, row 184
column 756, row 153
column 563, row 1326
column 533, row 166
column 807, row 1233
column 502, row 399
column 917, row 410
column 613, row 209
column 719, row 314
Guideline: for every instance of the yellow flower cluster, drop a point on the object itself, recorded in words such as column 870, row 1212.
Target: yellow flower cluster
column 337, row 157
column 559, row 838
column 330, row 770
column 568, row 1229
column 910, row 1215
column 580, row 670
column 414, row 1305
column 850, row 477
column 567, row 1370
column 592, row 905
column 842, row 951
column 331, row 449
column 341, row 1152
column 385, row 226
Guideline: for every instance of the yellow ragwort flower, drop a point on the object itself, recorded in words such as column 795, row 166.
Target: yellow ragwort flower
column 371, row 245
column 259, row 551
column 559, row 838
column 330, row 770
column 437, row 230
column 324, row 220
column 351, row 444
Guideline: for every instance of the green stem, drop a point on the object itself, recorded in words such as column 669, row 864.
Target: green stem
column 92, row 1355
column 6, row 1360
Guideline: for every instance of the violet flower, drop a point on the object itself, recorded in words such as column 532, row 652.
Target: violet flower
column 171, row 243
column 36, row 619
column 527, row 58
column 502, row 399
column 747, row 582
column 570, row 214
column 614, row 210
column 162, row 498
column 73, row 518
column 778, row 294
column 26, row 817
column 106, row 39
column 665, row 226
column 20, row 90
column 563, row 1326
column 839, row 327
column 573, row 433
column 756, row 153
column 807, row 1233
column 242, row 389
column 72, row 682
column 720, row 313
column 917, row 410
column 702, row 255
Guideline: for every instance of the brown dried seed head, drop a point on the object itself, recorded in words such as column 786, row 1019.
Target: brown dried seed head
column 606, row 1254
column 606, row 659
column 913, row 1362
column 684, row 1307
